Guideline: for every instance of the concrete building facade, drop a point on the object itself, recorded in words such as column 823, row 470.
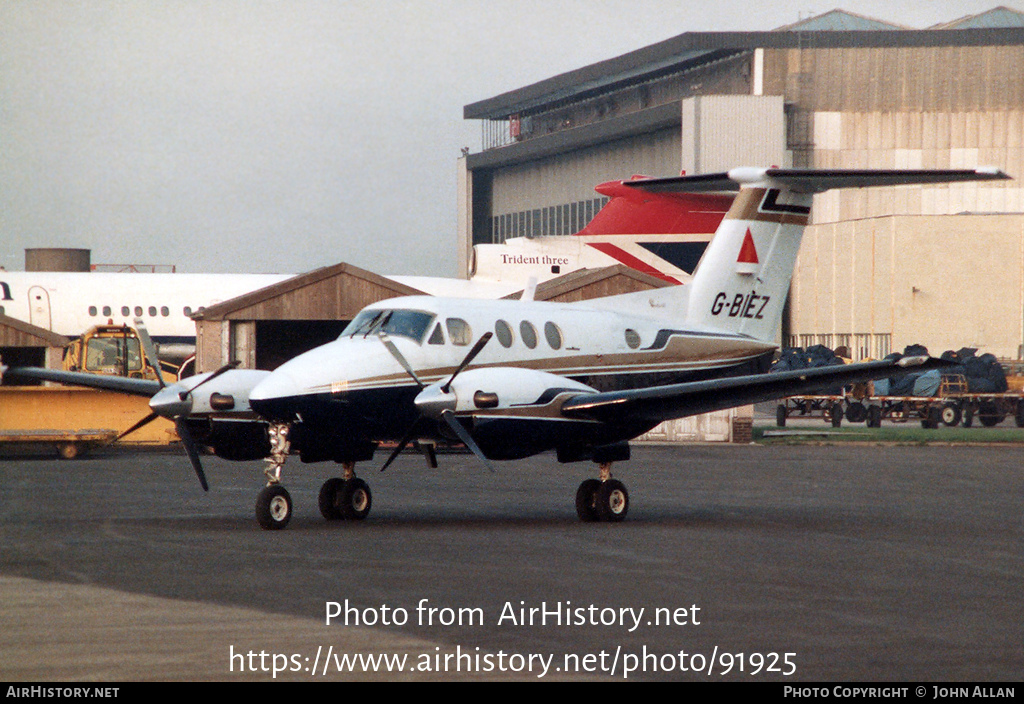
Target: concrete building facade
column 879, row 268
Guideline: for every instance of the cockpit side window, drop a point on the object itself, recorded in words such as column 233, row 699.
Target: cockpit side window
column 436, row 337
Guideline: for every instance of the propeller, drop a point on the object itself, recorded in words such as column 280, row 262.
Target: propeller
column 437, row 402
column 174, row 402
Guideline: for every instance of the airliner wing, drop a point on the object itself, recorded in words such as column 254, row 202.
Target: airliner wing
column 660, row 403
column 120, row 384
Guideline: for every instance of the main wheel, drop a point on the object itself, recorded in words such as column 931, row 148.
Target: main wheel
column 355, row 499
column 874, row 417
column 586, row 500
column 273, row 507
column 330, row 499
column 612, row 500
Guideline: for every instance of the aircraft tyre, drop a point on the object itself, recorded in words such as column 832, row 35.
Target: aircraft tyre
column 330, row 499
column 355, row 499
column 586, row 500
column 874, row 417
column 273, row 507
column 612, row 501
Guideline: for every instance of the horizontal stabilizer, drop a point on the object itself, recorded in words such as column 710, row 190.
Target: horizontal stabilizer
column 812, row 180
column 661, row 403
column 120, row 384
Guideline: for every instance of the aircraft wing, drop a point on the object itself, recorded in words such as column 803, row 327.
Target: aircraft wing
column 120, row 384
column 661, row 403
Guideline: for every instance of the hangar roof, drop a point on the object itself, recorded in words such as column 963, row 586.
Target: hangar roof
column 335, row 292
column 18, row 333
column 996, row 17
column 585, row 284
column 834, row 29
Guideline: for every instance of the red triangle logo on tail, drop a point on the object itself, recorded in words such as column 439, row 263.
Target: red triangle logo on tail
column 748, row 252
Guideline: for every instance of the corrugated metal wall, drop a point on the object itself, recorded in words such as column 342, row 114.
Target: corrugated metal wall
column 724, row 131
column 898, row 79
column 942, row 281
column 571, row 177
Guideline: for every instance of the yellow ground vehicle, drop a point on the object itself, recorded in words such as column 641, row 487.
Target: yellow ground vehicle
column 115, row 350
column 75, row 420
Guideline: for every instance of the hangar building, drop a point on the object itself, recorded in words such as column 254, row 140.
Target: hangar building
column 880, row 268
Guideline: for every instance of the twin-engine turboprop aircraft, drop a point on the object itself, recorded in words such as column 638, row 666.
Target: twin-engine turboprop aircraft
column 578, row 378
column 512, row 379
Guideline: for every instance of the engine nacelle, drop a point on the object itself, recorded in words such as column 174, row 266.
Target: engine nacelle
column 487, row 389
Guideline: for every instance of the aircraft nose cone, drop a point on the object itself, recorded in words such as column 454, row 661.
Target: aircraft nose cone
column 273, row 398
column 168, row 402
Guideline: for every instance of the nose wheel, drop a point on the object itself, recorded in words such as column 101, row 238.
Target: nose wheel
column 273, row 507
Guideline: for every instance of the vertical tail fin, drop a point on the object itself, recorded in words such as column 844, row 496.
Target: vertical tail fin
column 742, row 281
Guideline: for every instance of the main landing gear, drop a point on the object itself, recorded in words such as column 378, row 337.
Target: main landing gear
column 603, row 499
column 345, row 497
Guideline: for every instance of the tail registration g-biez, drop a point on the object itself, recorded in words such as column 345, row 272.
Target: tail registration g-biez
column 578, row 378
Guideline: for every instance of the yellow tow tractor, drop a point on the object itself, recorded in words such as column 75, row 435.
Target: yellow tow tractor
column 115, row 350
column 75, row 420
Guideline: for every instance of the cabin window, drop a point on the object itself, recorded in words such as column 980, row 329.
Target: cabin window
column 93, row 311
column 436, row 337
column 126, row 311
column 152, row 311
column 107, row 312
column 528, row 333
column 459, row 331
column 165, row 311
column 553, row 335
column 504, row 332
column 187, row 310
column 138, row 311
column 632, row 338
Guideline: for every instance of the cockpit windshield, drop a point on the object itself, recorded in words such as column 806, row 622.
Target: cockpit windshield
column 404, row 323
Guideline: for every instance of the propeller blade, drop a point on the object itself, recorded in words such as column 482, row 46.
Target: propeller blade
column 149, row 349
column 226, row 368
column 400, row 357
column 151, row 417
column 449, row 418
column 469, row 358
column 191, row 449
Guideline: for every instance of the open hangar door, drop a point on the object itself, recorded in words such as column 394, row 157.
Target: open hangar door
column 277, row 341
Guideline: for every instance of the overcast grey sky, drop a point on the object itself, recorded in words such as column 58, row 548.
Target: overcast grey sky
column 258, row 136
